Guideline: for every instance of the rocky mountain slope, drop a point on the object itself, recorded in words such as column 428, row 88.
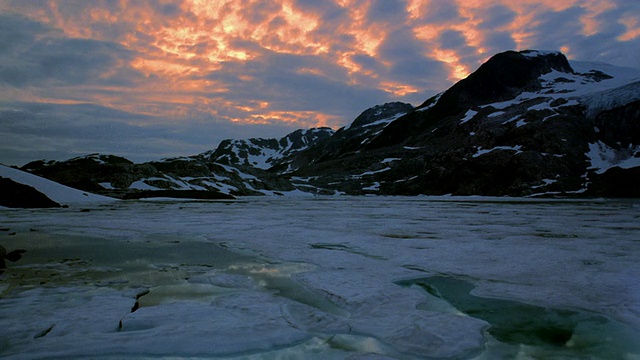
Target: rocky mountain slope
column 266, row 153
column 524, row 124
column 236, row 167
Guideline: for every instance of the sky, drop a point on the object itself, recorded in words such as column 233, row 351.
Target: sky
column 149, row 79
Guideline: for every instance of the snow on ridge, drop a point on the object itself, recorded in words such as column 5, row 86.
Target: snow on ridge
column 620, row 74
column 57, row 192
column 582, row 85
column 610, row 99
column 435, row 101
column 538, row 53
column 386, row 120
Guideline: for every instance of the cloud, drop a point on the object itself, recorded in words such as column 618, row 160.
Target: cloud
column 34, row 55
column 58, row 131
column 442, row 12
column 452, row 39
column 278, row 82
column 189, row 73
column 496, row 17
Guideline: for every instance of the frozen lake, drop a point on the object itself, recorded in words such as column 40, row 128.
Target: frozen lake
column 324, row 277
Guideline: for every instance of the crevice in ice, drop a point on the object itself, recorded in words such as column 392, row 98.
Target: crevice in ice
column 341, row 247
column 136, row 305
column 44, row 332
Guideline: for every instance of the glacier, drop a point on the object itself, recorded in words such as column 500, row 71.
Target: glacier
column 323, row 277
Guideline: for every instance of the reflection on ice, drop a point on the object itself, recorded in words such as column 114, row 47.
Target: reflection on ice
column 317, row 278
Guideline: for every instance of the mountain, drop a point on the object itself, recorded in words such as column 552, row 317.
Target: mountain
column 527, row 123
column 187, row 177
column 236, row 167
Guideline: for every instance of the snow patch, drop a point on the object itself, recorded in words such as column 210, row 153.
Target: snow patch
column 468, row 116
column 545, row 182
column 540, row 107
column 603, row 157
column 366, row 173
column 106, row 185
column 374, row 187
column 481, row 151
column 142, row 185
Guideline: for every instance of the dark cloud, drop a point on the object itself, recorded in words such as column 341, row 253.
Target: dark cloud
column 452, row 39
column 38, row 55
column 440, row 12
column 496, row 42
column 564, row 28
column 409, row 63
column 169, row 9
column 296, row 83
column 16, row 30
column 59, row 132
column 557, row 29
column 391, row 11
column 495, row 17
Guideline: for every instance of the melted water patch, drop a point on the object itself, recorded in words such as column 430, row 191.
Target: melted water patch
column 543, row 331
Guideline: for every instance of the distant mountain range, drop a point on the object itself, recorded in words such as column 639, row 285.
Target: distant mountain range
column 526, row 123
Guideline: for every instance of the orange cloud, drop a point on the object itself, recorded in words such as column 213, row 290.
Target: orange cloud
column 398, row 89
column 632, row 24
column 175, row 46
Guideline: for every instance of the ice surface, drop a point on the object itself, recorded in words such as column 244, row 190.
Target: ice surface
column 323, row 277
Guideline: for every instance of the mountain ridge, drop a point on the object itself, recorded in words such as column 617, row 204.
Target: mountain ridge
column 523, row 124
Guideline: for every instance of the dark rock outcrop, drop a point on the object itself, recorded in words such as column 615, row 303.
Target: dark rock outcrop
column 16, row 195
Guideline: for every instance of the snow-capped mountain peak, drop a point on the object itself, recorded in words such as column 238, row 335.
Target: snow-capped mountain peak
column 265, row 153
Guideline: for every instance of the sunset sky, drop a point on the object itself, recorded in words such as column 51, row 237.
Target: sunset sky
column 149, row 79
